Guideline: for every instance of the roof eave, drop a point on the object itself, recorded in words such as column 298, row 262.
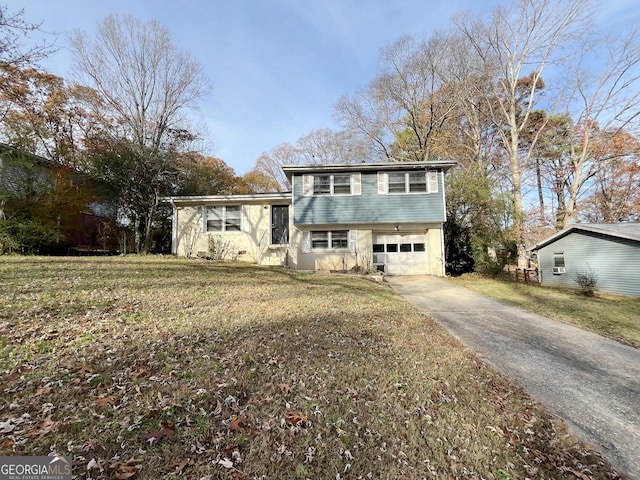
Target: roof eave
column 585, row 228
column 443, row 165
column 238, row 198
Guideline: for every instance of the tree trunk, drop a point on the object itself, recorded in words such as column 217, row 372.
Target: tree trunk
column 543, row 221
column 519, row 219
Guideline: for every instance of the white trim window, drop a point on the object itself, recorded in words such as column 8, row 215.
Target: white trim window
column 331, row 184
column 408, row 182
column 558, row 264
column 224, row 218
column 326, row 240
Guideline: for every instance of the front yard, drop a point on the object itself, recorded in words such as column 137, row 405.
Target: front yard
column 153, row 367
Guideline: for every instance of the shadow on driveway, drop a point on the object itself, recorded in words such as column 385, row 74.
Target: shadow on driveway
column 589, row 381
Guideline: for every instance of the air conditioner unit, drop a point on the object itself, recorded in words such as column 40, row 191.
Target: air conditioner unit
column 558, row 270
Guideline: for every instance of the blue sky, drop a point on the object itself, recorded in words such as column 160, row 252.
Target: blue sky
column 278, row 66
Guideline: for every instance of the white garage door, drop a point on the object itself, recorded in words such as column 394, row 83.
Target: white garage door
column 400, row 254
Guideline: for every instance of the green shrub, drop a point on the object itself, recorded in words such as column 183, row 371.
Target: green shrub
column 587, row 281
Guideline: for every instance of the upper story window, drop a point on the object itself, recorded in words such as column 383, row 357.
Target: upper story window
column 397, row 183
column 331, row 184
column 322, row 184
column 224, row 218
column 341, row 184
column 408, row 182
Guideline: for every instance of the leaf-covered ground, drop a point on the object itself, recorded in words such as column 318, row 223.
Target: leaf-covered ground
column 154, row 367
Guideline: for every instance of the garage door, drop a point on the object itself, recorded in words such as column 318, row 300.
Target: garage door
column 400, row 254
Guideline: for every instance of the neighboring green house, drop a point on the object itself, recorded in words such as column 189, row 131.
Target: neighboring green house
column 383, row 216
column 611, row 251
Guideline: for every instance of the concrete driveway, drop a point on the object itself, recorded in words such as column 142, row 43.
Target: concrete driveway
column 592, row 383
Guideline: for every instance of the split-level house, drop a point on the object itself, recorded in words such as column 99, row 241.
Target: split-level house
column 386, row 217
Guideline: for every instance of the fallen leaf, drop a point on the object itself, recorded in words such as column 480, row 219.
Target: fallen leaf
column 580, row 475
column 104, row 401
column 7, row 427
column 230, row 450
column 88, row 445
column 7, row 443
column 285, row 388
column 497, row 430
column 238, row 424
column 218, row 409
column 165, row 433
column 226, row 463
column 42, row 391
column 295, row 418
column 125, row 470
column 43, row 427
column 139, row 373
column 85, row 369
column 180, row 466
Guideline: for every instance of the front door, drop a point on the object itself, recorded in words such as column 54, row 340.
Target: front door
column 279, row 224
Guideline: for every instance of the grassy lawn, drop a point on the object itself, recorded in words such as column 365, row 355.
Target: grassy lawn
column 614, row 317
column 153, row 367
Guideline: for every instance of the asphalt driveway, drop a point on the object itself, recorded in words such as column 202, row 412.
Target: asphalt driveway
column 592, row 383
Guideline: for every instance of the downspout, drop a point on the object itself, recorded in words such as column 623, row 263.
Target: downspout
column 174, row 227
column 442, row 251
column 442, row 261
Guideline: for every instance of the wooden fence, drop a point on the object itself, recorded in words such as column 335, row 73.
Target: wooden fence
column 525, row 275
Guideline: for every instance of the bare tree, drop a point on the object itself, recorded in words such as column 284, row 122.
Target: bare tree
column 318, row 147
column 605, row 103
column 14, row 29
column 516, row 46
column 327, row 147
column 148, row 83
column 616, row 191
column 270, row 164
column 149, row 87
column 403, row 108
column 14, row 56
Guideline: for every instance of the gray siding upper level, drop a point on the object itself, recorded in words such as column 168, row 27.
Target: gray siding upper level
column 368, row 207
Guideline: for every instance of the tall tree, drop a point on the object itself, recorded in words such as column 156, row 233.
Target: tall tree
column 604, row 101
column 326, row 147
column 270, row 164
column 477, row 214
column 257, row 182
column 551, row 162
column 515, row 47
column 401, row 111
column 149, row 87
column 14, row 28
column 615, row 186
column 47, row 117
column 200, row 175
column 318, row 147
